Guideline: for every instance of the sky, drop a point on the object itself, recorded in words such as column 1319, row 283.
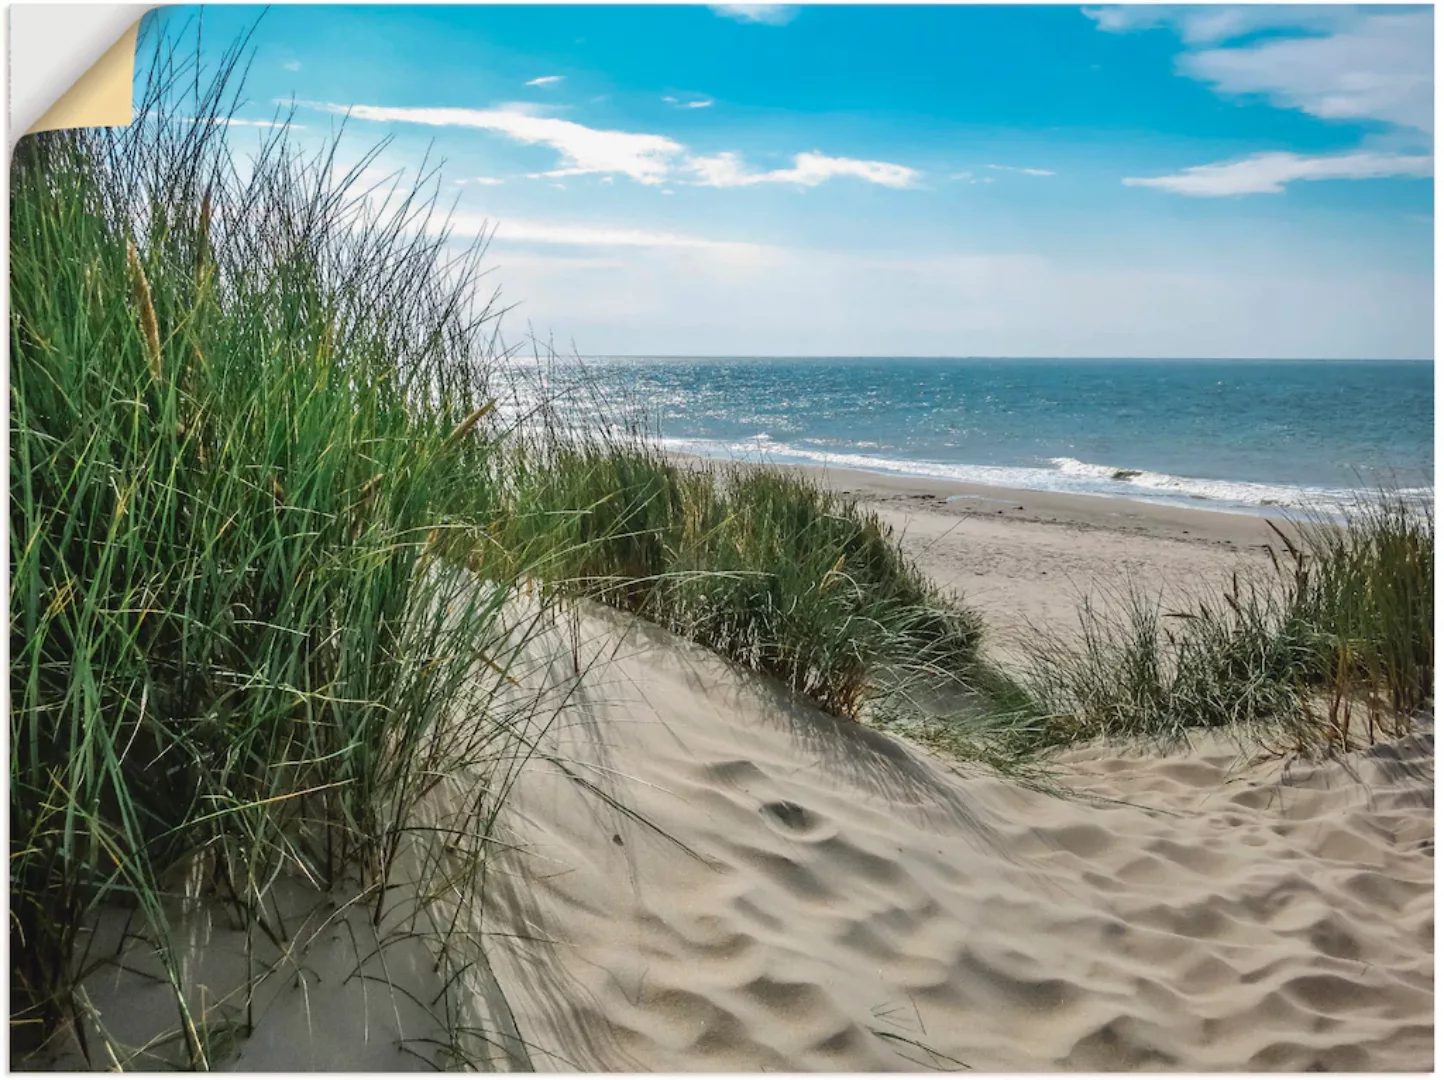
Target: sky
column 1201, row 181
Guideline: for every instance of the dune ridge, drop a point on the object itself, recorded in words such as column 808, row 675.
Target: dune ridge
column 703, row 873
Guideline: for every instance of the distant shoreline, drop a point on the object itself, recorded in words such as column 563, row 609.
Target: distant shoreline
column 1079, row 505
column 1111, row 512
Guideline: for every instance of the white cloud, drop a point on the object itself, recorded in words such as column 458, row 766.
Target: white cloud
column 545, row 80
column 292, row 65
column 769, row 14
column 1120, row 20
column 648, row 159
column 1211, row 24
column 231, row 121
column 645, row 158
column 485, row 181
column 584, row 235
column 696, row 103
column 1026, row 172
column 1337, row 63
column 1268, row 173
column 1214, row 25
column 1380, row 68
column 808, row 170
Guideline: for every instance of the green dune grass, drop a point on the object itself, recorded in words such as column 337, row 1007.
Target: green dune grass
column 1333, row 648
column 765, row 568
column 238, row 411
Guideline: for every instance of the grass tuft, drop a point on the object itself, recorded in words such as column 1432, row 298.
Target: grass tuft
column 1335, row 647
column 764, row 567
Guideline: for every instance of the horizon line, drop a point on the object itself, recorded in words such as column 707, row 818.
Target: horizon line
column 951, row 356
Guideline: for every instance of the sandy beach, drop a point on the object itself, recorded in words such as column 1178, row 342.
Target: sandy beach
column 1024, row 559
column 765, row 887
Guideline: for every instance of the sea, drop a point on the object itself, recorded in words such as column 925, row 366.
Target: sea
column 1239, row 435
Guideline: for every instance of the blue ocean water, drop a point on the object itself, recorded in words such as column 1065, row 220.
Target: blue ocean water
column 1239, row 434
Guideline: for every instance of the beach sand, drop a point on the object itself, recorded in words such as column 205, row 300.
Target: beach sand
column 698, row 871
column 704, row 873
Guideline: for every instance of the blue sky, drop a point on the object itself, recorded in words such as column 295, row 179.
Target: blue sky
column 920, row 180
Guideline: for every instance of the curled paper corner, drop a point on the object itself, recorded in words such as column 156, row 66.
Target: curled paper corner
column 102, row 97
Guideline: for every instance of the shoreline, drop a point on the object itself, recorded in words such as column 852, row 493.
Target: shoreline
column 1242, row 498
column 968, row 500
column 1115, row 513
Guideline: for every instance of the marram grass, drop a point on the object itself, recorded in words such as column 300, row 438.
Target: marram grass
column 764, row 567
column 1332, row 649
column 239, row 404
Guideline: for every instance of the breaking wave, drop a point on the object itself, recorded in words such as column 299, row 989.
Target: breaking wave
column 1061, row 474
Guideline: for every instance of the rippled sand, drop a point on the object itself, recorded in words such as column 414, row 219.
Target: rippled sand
column 712, row 876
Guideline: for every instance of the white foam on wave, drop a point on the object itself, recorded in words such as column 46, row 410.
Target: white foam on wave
column 1064, row 475
column 1244, row 492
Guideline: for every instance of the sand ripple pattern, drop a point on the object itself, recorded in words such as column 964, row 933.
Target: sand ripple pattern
column 776, row 889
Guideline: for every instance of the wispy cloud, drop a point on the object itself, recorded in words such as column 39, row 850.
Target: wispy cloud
column 545, row 80
column 645, row 158
column 768, row 14
column 292, row 65
column 808, row 170
column 1212, row 24
column 969, row 178
column 1379, row 68
column 1025, row 171
column 231, row 121
column 695, row 103
column 1269, row 173
column 483, row 181
column 1334, row 62
column 586, row 235
column 648, row 159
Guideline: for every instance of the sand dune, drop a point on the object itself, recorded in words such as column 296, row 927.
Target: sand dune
column 709, row 875
column 699, row 872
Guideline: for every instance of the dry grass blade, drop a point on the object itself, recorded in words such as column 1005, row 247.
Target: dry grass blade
column 145, row 311
column 464, row 428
